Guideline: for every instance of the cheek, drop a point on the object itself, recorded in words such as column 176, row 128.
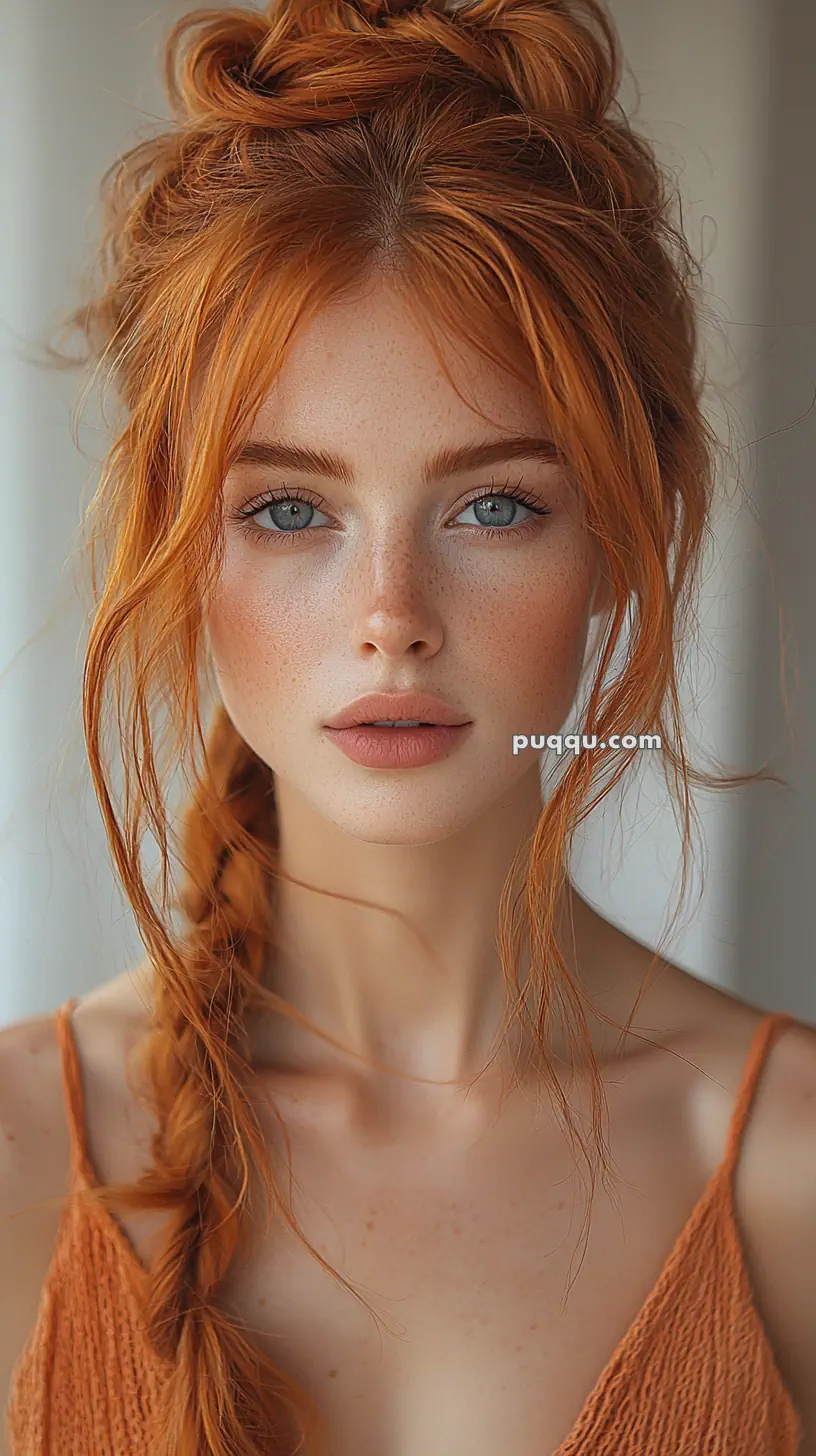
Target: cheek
column 534, row 637
column 266, row 644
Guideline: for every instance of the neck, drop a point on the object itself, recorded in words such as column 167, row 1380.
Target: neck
column 420, row 990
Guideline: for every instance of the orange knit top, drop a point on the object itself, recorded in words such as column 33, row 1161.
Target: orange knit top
column 694, row 1374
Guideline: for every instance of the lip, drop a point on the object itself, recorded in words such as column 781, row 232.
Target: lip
column 399, row 748
column 380, row 707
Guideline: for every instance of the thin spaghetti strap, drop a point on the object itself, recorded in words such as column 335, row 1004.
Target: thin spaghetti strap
column 81, row 1170
column 763, row 1038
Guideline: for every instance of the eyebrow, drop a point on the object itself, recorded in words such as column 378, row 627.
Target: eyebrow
column 452, row 460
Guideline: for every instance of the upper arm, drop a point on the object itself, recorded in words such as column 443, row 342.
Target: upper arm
column 780, row 1217
column 34, row 1156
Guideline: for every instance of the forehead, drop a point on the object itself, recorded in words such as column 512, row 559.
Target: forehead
column 365, row 366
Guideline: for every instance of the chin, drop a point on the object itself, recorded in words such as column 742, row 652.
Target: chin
column 381, row 815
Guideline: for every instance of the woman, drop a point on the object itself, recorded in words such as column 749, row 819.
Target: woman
column 405, row 341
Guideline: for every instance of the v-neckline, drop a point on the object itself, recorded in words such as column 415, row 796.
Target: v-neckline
column 111, row 1226
column 716, row 1197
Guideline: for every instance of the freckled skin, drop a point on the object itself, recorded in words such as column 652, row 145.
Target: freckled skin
column 498, row 627
column 393, row 587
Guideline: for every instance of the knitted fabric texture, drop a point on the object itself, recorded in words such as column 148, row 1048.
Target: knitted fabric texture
column 694, row 1375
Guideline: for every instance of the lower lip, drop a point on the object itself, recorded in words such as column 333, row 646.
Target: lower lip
column 398, row 747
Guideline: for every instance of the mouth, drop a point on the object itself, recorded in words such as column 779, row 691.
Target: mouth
column 399, row 743
column 420, row 709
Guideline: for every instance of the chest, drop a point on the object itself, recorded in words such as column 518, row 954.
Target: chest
column 473, row 1319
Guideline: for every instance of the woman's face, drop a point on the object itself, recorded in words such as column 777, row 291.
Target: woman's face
column 383, row 581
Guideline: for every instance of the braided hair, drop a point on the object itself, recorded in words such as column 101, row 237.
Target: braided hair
column 476, row 152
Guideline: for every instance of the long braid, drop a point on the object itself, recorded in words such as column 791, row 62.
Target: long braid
column 196, row 1057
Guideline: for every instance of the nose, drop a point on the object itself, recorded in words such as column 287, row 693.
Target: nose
column 395, row 610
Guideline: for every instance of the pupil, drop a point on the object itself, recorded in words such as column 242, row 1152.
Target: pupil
column 291, row 512
column 493, row 506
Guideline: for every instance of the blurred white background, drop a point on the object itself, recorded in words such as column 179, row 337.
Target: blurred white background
column 727, row 94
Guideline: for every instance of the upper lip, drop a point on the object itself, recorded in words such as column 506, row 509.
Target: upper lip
column 388, row 707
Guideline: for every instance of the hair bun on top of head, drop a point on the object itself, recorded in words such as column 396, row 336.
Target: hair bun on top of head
column 298, row 62
column 218, row 61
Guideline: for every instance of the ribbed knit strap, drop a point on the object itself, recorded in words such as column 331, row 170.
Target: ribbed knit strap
column 81, row 1169
column 763, row 1038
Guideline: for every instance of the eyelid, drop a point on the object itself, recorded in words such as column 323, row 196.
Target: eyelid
column 245, row 516
column 273, row 495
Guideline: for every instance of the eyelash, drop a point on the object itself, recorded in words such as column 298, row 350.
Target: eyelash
column 244, row 516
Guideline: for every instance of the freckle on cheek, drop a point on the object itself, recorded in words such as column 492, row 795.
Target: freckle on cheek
column 551, row 633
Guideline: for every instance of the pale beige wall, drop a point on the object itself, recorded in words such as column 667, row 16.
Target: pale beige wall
column 728, row 94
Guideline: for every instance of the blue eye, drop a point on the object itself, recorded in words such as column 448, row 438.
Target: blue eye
column 292, row 513
column 503, row 507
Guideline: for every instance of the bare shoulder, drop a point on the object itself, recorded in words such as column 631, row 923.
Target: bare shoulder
column 34, row 1167
column 776, row 1199
column 34, row 1143
column 35, row 1147
column 722, row 1026
column 775, row 1181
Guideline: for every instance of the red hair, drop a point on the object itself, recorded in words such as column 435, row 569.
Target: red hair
column 479, row 160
